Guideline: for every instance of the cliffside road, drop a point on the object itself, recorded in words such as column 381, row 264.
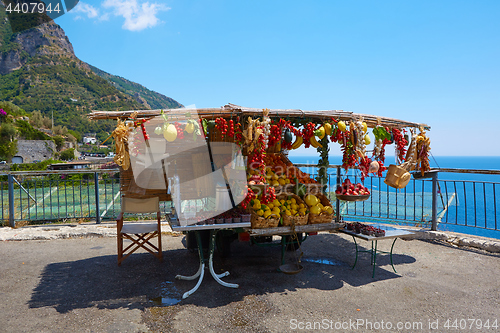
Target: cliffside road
column 74, row 285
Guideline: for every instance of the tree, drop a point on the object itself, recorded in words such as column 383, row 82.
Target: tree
column 59, row 141
column 8, row 146
column 68, row 154
column 36, row 119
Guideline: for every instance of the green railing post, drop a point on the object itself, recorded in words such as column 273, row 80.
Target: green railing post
column 434, row 200
column 337, row 204
column 97, row 210
column 10, row 178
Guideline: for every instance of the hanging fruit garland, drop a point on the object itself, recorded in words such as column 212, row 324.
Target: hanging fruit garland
column 308, row 133
column 256, row 156
column 238, row 133
column 180, row 131
column 382, row 138
column 274, row 135
column 422, row 150
column 401, row 144
column 298, row 136
column 248, row 198
column 323, row 161
column 230, row 132
column 221, row 126
column 364, row 166
column 269, row 195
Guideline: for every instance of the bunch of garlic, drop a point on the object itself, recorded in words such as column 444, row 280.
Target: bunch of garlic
column 267, row 130
column 411, row 154
column 361, row 129
column 377, row 147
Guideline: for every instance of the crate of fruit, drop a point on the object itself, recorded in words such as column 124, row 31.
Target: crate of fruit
column 259, row 222
column 293, row 209
column 320, row 208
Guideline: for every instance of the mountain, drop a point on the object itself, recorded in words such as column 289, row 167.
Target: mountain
column 150, row 99
column 39, row 71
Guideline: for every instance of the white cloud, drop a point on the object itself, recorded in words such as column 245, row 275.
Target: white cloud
column 138, row 16
column 85, row 9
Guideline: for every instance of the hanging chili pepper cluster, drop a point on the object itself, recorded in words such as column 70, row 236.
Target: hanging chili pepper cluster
column 308, row 133
column 401, row 143
column 248, row 198
column 221, row 126
column 268, row 196
column 238, row 133
column 180, row 131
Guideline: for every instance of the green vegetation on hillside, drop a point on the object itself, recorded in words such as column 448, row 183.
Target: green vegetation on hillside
column 154, row 99
column 64, row 89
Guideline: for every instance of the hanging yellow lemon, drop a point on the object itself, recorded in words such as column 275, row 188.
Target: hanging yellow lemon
column 170, row 133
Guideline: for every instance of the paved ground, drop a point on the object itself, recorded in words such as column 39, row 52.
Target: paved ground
column 74, row 285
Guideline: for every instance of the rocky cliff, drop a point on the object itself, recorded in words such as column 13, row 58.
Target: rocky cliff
column 39, row 71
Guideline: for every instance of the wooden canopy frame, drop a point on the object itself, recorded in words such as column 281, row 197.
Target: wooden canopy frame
column 232, row 110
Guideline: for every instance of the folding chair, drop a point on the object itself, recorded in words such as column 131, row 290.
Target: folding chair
column 139, row 233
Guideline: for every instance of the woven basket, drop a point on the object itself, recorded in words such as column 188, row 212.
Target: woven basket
column 258, row 222
column 397, row 176
column 297, row 219
column 323, row 217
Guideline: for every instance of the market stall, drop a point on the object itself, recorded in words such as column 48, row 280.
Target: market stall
column 228, row 167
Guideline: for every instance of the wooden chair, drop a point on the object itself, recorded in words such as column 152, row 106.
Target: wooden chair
column 139, row 233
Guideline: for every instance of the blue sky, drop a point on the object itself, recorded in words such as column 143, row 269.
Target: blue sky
column 435, row 62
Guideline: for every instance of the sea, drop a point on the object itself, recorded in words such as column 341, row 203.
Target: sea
column 468, row 203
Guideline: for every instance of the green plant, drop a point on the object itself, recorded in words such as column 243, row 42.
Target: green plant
column 68, row 154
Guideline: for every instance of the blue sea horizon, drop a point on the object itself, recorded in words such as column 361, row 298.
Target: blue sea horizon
column 488, row 189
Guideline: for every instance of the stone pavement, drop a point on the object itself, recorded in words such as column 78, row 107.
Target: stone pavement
column 72, row 284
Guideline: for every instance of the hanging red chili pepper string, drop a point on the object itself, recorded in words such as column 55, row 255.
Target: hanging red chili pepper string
column 221, row 126
column 248, row 198
column 269, row 195
column 401, row 143
column 364, row 165
column 180, row 131
column 230, row 132
column 307, row 133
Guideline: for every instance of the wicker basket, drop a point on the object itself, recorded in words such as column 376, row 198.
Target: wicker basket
column 397, row 176
column 259, row 222
column 323, row 217
column 297, row 219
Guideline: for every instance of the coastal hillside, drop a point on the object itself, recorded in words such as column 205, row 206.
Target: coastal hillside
column 39, row 71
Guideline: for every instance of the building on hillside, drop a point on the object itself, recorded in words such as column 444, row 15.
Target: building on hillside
column 69, row 166
column 89, row 140
column 34, row 150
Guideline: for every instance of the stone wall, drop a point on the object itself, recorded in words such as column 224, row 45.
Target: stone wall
column 32, row 150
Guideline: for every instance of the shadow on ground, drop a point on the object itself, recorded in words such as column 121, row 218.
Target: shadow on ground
column 99, row 282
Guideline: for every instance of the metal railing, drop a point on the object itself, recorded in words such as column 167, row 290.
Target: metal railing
column 428, row 202
column 59, row 195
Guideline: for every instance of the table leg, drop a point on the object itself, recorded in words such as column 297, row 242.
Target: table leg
column 374, row 257
column 201, row 270
column 392, row 247
column 217, row 277
column 355, row 260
